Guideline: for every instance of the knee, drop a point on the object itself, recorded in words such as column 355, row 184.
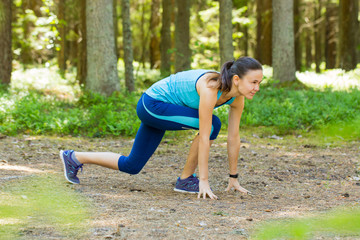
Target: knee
column 128, row 166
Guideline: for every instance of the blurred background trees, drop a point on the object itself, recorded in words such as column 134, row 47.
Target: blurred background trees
column 173, row 35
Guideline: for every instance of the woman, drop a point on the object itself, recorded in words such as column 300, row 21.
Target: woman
column 185, row 100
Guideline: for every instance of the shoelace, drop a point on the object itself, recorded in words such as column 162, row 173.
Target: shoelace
column 76, row 169
column 193, row 182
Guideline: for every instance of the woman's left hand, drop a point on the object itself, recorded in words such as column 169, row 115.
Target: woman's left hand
column 233, row 183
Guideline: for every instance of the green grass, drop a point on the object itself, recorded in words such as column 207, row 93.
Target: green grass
column 336, row 223
column 42, row 203
column 39, row 101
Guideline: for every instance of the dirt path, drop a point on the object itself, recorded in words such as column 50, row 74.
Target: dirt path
column 288, row 178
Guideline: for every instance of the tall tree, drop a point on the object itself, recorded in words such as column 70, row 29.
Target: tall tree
column 226, row 31
column 82, row 50
column 5, row 43
column 318, row 30
column 101, row 74
column 264, row 31
column 283, row 41
column 182, row 36
column 154, row 32
column 27, row 25
column 330, row 34
column 127, row 45
column 116, row 28
column 308, row 48
column 297, row 22
column 165, row 45
column 348, row 27
column 62, row 36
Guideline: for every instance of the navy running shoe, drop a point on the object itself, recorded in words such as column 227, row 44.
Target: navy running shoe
column 187, row 185
column 71, row 168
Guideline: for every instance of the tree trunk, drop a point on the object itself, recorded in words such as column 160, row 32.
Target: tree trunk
column 297, row 22
column 26, row 56
column 283, row 41
column 347, row 52
column 225, row 32
column 102, row 74
column 317, row 34
column 127, row 45
column 264, row 32
column 62, row 34
column 308, row 48
column 166, row 38
column 5, row 43
column 182, row 36
column 154, row 32
column 82, row 50
column 116, row 28
column 330, row 43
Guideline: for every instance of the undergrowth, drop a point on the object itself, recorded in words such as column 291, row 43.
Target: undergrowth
column 49, row 110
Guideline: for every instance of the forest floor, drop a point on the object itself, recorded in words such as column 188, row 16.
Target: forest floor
column 288, row 177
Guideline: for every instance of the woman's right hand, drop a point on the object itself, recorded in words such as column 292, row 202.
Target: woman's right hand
column 204, row 189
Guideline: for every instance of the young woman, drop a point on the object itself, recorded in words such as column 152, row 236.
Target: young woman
column 185, row 100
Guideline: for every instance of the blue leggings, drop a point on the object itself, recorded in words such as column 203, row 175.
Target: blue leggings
column 157, row 117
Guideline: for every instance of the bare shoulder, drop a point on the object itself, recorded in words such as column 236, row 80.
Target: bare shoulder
column 208, row 80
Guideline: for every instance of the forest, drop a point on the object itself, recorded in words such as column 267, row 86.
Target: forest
column 123, row 47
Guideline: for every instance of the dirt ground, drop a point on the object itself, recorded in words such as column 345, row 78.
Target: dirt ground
column 288, row 177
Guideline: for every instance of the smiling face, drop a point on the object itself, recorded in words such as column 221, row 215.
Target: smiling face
column 249, row 84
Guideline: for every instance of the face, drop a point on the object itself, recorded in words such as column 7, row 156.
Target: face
column 249, row 84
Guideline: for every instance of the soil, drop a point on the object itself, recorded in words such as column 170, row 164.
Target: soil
column 288, row 177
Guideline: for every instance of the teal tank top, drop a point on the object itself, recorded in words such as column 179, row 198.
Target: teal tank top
column 180, row 89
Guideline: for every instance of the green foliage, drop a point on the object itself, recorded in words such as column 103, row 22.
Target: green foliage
column 344, row 222
column 290, row 110
column 300, row 109
column 41, row 202
column 92, row 115
column 39, row 101
column 34, row 34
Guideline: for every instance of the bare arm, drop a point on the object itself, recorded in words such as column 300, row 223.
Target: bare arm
column 233, row 141
column 208, row 98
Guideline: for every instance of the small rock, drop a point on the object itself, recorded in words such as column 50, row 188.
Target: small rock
column 255, row 136
column 346, row 195
column 203, row 224
column 240, row 232
column 279, row 179
column 276, row 197
column 244, row 140
column 276, row 137
column 307, row 196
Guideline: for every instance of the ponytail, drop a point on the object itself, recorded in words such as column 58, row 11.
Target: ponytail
column 226, row 76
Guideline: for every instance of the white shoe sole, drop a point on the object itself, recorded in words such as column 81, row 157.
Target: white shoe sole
column 183, row 191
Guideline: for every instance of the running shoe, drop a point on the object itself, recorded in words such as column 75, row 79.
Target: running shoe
column 71, row 168
column 187, row 185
